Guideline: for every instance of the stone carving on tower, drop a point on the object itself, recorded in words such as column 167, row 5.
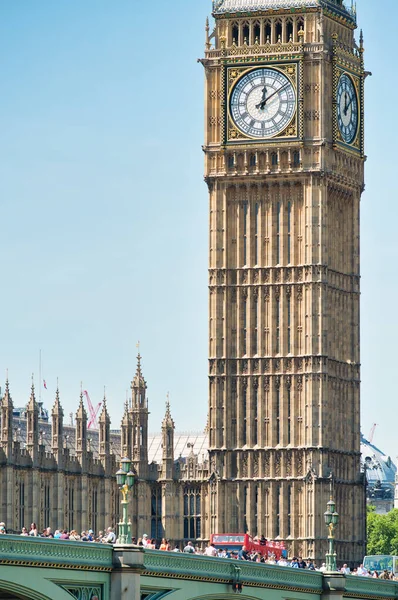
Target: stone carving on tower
column 284, row 164
column 139, row 421
column 57, row 428
column 168, row 428
column 104, row 422
column 81, row 431
column 32, row 426
column 6, row 421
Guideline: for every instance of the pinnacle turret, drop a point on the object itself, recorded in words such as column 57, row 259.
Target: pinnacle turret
column 104, row 416
column 138, row 380
column 81, row 411
column 168, row 420
column 57, row 408
column 57, row 429
column 7, row 400
column 6, row 406
column 32, row 399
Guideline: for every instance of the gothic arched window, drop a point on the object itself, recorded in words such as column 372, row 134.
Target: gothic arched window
column 192, row 513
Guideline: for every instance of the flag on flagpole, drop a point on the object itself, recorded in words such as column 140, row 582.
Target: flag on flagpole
column 44, row 384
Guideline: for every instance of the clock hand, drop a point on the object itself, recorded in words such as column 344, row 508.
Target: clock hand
column 345, row 103
column 262, row 103
column 276, row 92
column 348, row 105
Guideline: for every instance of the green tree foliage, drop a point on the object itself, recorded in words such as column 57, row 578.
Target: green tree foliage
column 382, row 532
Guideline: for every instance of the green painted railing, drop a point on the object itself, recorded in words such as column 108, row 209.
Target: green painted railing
column 30, row 551
column 170, row 564
column 365, row 586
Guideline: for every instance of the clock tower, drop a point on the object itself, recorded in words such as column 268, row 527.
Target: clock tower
column 284, row 164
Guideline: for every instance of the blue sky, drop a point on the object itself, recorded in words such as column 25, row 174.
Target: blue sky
column 104, row 209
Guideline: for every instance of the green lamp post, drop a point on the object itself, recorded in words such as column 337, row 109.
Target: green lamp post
column 125, row 481
column 331, row 520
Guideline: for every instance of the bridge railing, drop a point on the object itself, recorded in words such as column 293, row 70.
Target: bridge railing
column 31, row 551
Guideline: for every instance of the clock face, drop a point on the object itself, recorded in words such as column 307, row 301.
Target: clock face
column 262, row 103
column 347, row 108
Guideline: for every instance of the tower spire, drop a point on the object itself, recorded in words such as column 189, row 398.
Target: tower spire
column 167, row 442
column 32, row 425
column 207, row 32
column 139, row 420
column 104, row 423
column 57, row 428
column 6, row 420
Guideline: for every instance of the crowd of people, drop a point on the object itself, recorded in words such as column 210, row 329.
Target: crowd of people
column 109, row 537
column 105, row 537
column 362, row 571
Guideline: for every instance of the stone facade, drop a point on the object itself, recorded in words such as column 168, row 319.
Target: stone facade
column 64, row 476
column 284, row 396
column 284, row 373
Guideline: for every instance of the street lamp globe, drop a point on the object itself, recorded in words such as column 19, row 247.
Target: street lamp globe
column 130, row 477
column 125, row 464
column 120, row 478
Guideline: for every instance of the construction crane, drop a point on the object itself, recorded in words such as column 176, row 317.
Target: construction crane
column 372, row 432
column 93, row 422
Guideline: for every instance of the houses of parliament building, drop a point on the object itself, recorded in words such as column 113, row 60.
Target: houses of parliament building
column 284, row 166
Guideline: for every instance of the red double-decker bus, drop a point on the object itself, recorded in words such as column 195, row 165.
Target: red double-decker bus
column 236, row 541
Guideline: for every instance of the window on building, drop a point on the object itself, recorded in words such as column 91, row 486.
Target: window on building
column 46, row 504
column 246, row 34
column 255, row 326
column 289, row 410
column 245, row 527
column 192, row 513
column 235, row 34
column 231, row 161
column 277, row 326
column 21, row 505
column 245, row 213
column 244, row 325
column 300, row 25
column 256, row 31
column 156, row 513
column 296, row 158
column 267, row 32
column 274, row 159
column 244, row 411
column 278, row 414
column 289, row 31
column 71, row 506
column 278, row 32
column 255, row 414
column 289, row 509
column 253, row 160
column 94, row 509
column 289, row 318
column 289, row 231
column 256, row 219
column 278, row 492
column 278, row 232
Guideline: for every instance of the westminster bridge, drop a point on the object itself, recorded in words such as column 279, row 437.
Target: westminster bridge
column 42, row 569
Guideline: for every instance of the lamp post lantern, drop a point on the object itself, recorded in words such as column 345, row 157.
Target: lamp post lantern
column 331, row 520
column 125, row 481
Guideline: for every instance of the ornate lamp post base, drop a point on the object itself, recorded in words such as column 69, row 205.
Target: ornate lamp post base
column 125, row 481
column 124, row 525
column 331, row 562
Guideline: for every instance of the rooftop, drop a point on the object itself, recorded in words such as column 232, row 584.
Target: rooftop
column 247, row 6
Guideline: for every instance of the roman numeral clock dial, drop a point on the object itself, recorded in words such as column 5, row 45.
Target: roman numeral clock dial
column 262, row 103
column 347, row 109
